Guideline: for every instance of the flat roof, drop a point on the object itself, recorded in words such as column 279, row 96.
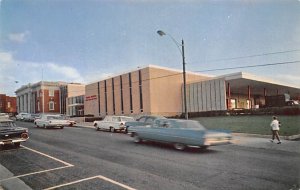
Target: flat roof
column 149, row 66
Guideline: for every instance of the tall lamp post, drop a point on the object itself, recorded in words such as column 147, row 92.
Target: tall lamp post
column 162, row 33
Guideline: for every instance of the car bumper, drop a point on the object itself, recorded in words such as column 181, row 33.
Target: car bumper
column 217, row 142
column 12, row 141
column 57, row 125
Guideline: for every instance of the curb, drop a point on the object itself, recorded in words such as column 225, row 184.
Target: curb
column 293, row 137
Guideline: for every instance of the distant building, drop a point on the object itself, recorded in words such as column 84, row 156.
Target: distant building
column 159, row 91
column 148, row 90
column 7, row 104
column 44, row 97
column 71, row 99
column 234, row 91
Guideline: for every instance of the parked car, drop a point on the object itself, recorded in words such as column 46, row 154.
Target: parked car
column 142, row 121
column 51, row 121
column 180, row 133
column 22, row 116
column 71, row 121
column 11, row 134
column 4, row 115
column 113, row 123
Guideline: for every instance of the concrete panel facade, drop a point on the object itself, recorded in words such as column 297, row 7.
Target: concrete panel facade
column 208, row 95
column 150, row 90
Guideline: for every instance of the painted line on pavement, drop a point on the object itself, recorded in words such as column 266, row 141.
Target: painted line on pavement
column 48, row 156
column 43, row 171
column 90, row 178
column 33, row 173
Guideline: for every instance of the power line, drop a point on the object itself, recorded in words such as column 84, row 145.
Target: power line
column 249, row 66
column 250, row 56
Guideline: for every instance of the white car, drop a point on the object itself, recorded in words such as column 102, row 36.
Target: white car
column 22, row 116
column 51, row 121
column 113, row 123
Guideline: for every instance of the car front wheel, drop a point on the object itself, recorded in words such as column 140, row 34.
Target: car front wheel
column 179, row 146
column 112, row 130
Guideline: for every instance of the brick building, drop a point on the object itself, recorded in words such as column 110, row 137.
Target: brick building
column 45, row 96
column 7, row 104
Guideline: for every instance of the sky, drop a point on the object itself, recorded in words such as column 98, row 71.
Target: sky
column 88, row 40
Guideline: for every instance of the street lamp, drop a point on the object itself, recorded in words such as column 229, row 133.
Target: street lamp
column 162, row 33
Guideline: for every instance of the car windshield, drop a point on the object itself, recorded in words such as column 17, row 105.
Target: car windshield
column 7, row 124
column 187, row 124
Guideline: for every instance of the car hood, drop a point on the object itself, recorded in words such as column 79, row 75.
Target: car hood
column 7, row 129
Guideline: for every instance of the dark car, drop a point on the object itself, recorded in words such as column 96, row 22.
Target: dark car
column 142, row 121
column 11, row 134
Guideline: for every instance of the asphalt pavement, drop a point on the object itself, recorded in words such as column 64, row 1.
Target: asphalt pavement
column 83, row 158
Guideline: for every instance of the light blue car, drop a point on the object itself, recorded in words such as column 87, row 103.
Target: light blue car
column 180, row 133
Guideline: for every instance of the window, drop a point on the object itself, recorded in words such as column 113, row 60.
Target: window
column 8, row 104
column 98, row 99
column 38, row 108
column 233, row 103
column 248, row 104
column 105, row 93
column 130, row 92
column 51, row 105
column 113, row 95
column 51, row 92
column 141, row 91
column 142, row 119
column 121, row 89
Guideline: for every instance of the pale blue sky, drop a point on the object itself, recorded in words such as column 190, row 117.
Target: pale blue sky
column 86, row 40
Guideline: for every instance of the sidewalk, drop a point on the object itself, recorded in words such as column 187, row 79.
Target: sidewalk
column 12, row 183
column 264, row 143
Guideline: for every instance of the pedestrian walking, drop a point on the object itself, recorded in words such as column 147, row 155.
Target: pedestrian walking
column 275, row 129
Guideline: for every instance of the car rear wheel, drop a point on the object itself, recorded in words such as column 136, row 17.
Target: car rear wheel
column 179, row 146
column 62, row 127
column 136, row 138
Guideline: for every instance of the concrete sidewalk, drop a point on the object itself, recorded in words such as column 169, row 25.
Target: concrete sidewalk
column 12, row 183
column 264, row 143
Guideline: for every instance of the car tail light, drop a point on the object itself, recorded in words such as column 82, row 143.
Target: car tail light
column 24, row 135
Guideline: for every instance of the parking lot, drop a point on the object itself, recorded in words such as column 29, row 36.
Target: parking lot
column 83, row 158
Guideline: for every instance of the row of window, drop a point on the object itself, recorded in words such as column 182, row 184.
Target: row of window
column 76, row 100
column 50, row 93
column 51, row 106
column 121, row 90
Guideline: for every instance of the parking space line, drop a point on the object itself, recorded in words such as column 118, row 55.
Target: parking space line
column 33, row 173
column 115, row 182
column 67, row 165
column 90, row 178
column 48, row 156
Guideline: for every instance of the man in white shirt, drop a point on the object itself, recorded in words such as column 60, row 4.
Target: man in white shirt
column 275, row 128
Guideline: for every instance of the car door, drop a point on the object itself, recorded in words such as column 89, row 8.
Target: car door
column 105, row 122
column 155, row 131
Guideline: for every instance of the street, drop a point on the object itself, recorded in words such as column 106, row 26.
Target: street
column 83, row 158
